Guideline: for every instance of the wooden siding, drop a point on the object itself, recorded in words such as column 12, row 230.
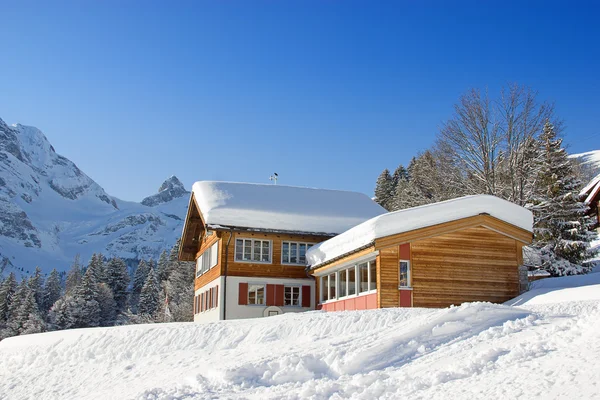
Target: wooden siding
column 275, row 269
column 387, row 277
column 474, row 264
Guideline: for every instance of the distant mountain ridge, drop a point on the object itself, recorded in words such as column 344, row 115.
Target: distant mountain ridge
column 50, row 210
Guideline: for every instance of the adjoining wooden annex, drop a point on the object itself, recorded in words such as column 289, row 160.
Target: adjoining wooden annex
column 463, row 250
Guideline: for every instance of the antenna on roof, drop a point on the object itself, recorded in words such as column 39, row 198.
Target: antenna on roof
column 274, row 178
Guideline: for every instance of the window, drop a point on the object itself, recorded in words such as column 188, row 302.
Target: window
column 256, row 294
column 208, row 259
column 351, row 281
column 342, row 281
column 253, row 250
column 294, row 252
column 372, row 275
column 332, row 286
column 324, row 288
column 404, row 273
column 291, row 296
column 363, row 274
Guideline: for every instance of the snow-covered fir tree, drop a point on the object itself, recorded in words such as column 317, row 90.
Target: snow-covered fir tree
column 384, row 189
column 139, row 278
column 149, row 297
column 162, row 269
column 74, row 275
column 408, row 195
column 36, row 283
column 52, row 290
column 561, row 227
column 117, row 279
column 108, row 306
column 97, row 267
column 86, row 312
column 8, row 291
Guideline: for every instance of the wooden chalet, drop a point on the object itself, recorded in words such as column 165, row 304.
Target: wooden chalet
column 250, row 241
column 590, row 195
column 461, row 250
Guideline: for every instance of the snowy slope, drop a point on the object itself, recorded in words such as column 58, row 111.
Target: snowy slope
column 50, row 210
column 476, row 350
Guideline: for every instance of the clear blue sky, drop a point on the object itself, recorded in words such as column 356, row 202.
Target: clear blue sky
column 326, row 93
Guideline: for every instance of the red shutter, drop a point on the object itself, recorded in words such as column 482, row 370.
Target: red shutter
column 270, row 295
column 279, row 295
column 306, row 296
column 201, row 302
column 210, row 299
column 195, row 298
column 405, row 251
column 243, row 294
column 216, row 296
column 206, row 300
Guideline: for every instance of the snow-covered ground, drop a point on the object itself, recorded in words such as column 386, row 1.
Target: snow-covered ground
column 547, row 347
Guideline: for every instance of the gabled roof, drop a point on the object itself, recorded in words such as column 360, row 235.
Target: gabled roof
column 282, row 208
column 415, row 218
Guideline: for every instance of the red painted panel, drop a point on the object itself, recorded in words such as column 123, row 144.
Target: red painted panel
column 361, row 303
column 372, row 301
column 351, row 304
column 405, row 251
column 339, row 305
column 202, row 302
column 243, row 294
column 305, row 296
column 279, row 289
column 270, row 295
column 405, row 298
column 216, row 296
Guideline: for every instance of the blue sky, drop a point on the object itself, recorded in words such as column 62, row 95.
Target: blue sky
column 326, row 93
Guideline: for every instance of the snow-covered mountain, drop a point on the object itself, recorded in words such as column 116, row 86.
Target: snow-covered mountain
column 50, row 210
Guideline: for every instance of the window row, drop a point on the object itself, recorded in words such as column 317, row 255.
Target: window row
column 258, row 250
column 206, row 300
column 274, row 295
column 207, row 260
column 351, row 281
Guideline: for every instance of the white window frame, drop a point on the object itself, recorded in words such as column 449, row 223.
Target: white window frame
column 324, row 279
column 408, row 275
column 290, row 242
column 214, row 254
column 299, row 289
column 264, row 286
column 205, row 261
column 252, row 240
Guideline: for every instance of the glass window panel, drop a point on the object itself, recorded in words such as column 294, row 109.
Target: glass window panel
column 239, row 249
column 324, row 288
column 302, row 254
column 363, row 274
column 285, row 252
column 342, row 275
column 260, row 295
column 332, row 286
column 352, row 281
column 256, row 253
column 404, row 267
column 296, row 296
column 266, row 254
column 247, row 250
column 294, row 253
column 373, row 275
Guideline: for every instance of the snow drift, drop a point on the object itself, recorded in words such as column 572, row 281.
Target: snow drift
column 476, row 350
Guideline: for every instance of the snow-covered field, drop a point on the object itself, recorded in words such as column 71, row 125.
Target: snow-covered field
column 547, row 347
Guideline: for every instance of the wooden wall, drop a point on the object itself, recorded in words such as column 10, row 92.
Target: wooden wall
column 387, row 277
column 474, row 264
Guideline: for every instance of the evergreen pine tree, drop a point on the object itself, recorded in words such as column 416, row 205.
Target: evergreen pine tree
column 149, row 297
column 8, row 291
column 139, row 278
column 179, row 288
column 29, row 317
column 52, row 290
column 117, row 279
column 560, row 224
column 163, row 267
column 86, row 312
column 107, row 305
column 400, row 174
column 61, row 315
column 74, row 276
column 384, row 190
column 36, row 283
column 408, row 195
column 98, row 268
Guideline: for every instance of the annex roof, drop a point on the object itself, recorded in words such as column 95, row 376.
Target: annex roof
column 415, row 218
column 591, row 189
column 282, row 208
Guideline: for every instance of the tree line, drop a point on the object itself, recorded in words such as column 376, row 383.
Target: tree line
column 103, row 293
column 511, row 147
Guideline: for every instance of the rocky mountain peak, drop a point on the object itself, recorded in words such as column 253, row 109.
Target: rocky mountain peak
column 172, row 188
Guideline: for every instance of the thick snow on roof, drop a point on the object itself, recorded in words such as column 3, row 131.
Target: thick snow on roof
column 282, row 208
column 419, row 217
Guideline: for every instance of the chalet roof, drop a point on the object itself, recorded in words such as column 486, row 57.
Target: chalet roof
column 591, row 190
column 282, row 208
column 415, row 218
